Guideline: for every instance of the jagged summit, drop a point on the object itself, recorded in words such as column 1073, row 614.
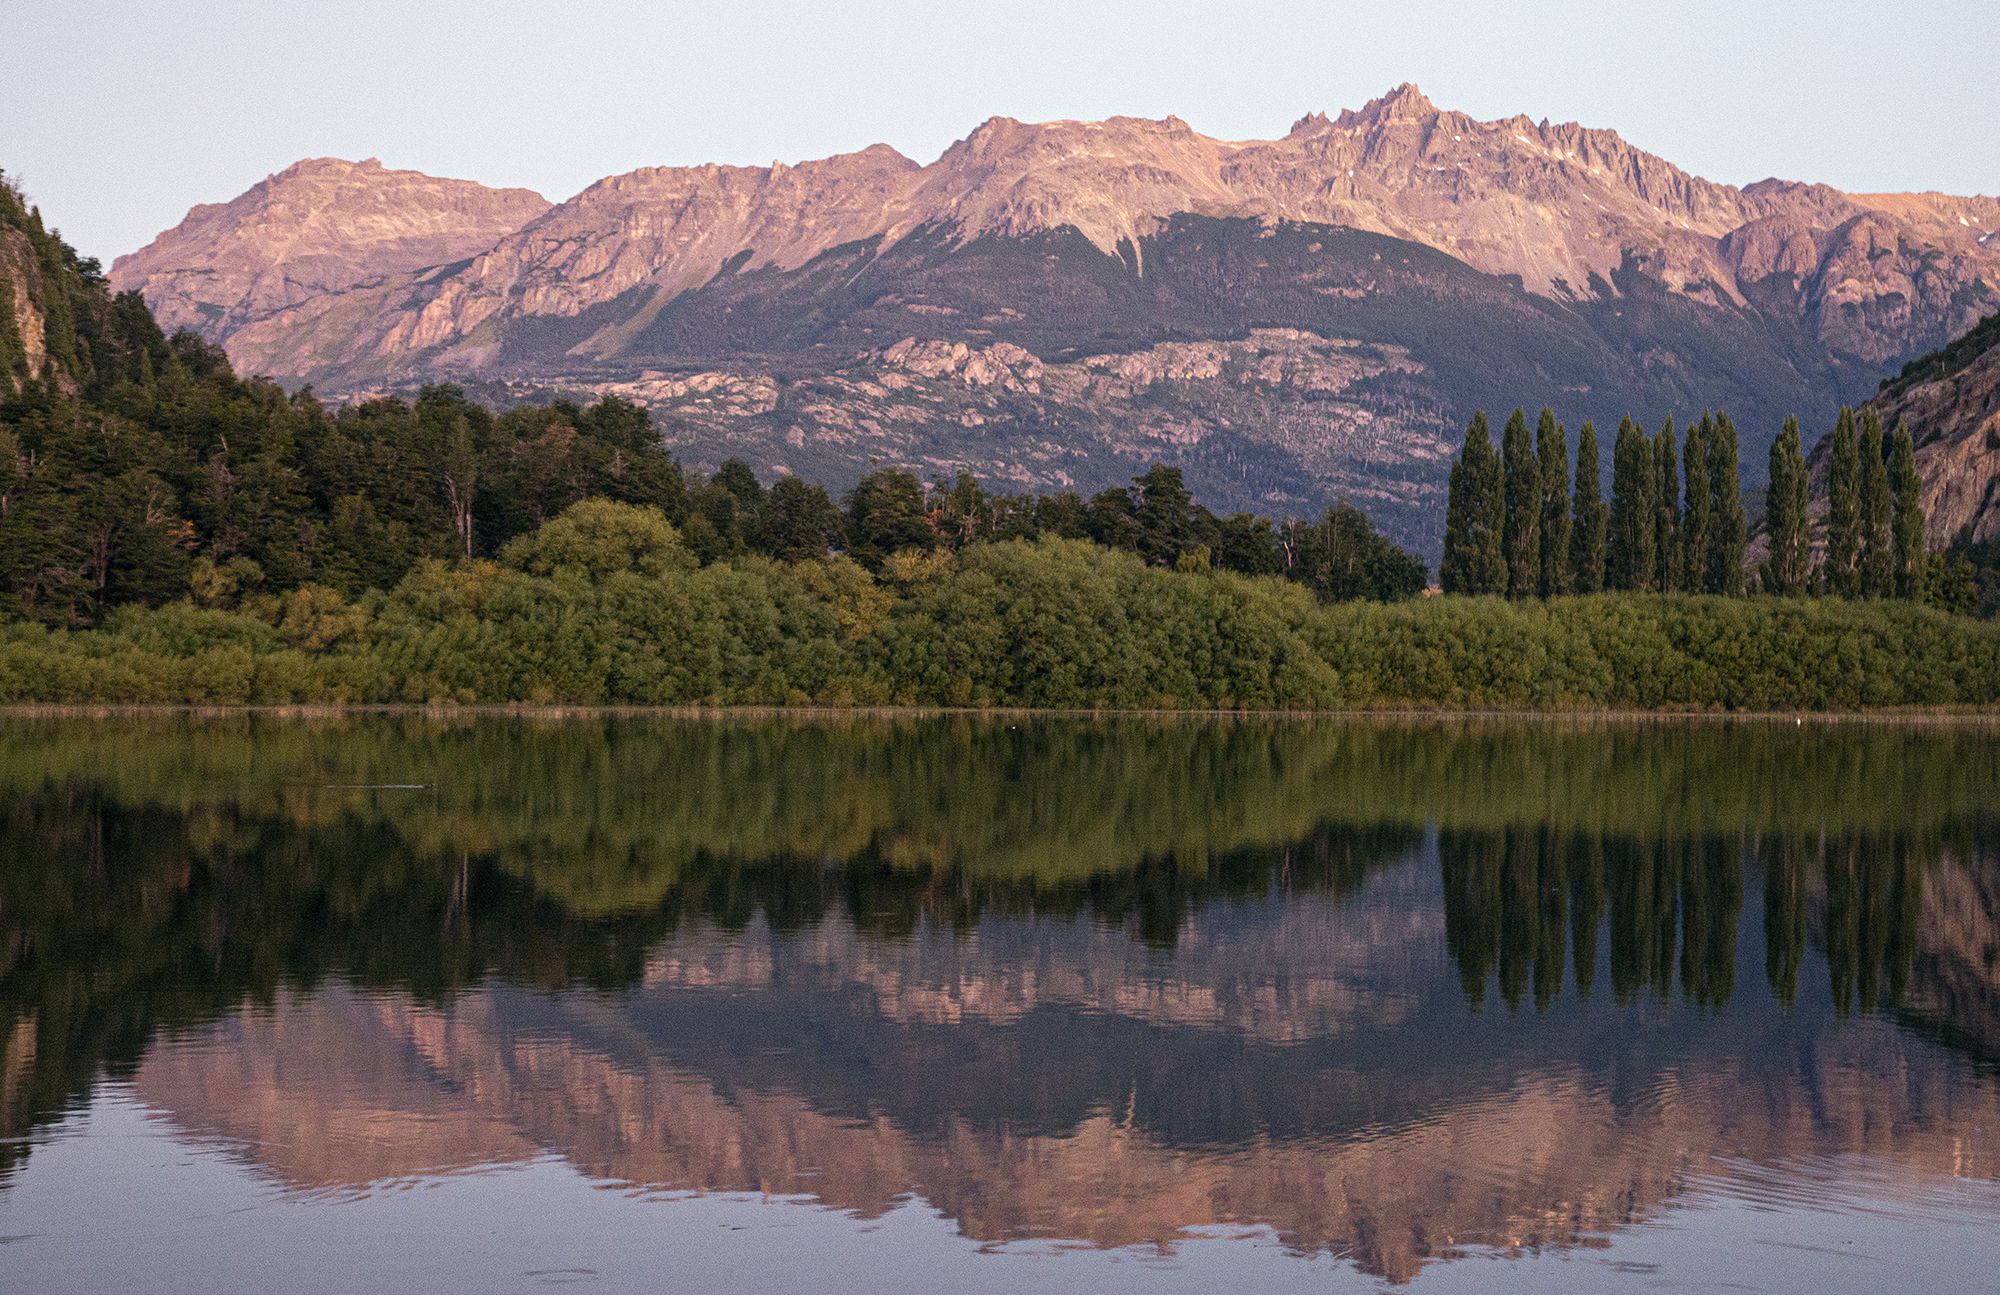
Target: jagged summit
column 1566, row 208
column 1404, row 103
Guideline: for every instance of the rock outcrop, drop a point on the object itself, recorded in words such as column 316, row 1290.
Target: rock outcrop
column 1950, row 401
column 1955, row 421
column 24, row 351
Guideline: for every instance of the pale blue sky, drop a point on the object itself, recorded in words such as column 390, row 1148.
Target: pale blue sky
column 120, row 114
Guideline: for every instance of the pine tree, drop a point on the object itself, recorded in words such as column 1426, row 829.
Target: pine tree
column 1475, row 518
column 1726, row 520
column 1878, row 558
column 1588, row 518
column 1699, row 507
column 1785, row 567
column 1666, row 541
column 1908, row 524
column 1635, row 479
column 1843, row 510
column 1552, row 450
column 1523, row 539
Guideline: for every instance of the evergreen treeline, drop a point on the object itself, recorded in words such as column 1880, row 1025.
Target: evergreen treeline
column 1676, row 523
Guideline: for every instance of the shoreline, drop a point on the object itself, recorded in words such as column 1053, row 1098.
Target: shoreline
column 1970, row 716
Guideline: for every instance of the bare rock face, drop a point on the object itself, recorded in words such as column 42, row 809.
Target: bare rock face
column 1954, row 421
column 1501, row 262
column 1022, row 422
column 1565, row 208
column 318, row 227
column 21, row 320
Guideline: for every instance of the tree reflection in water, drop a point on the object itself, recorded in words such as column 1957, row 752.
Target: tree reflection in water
column 1218, row 940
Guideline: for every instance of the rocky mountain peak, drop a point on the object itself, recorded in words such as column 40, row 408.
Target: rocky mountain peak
column 1406, row 103
column 320, row 225
column 311, row 167
column 352, row 275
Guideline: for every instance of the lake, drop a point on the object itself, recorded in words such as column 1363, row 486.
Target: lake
column 857, row 1004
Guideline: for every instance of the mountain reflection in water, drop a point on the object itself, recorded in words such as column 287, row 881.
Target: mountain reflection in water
column 1393, row 991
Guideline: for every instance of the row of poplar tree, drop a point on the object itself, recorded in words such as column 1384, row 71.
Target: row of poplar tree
column 1874, row 515
column 1514, row 526
column 1675, row 522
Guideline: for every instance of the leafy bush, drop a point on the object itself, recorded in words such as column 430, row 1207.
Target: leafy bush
column 603, row 605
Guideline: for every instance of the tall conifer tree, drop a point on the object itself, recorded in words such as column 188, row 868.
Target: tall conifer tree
column 1633, row 561
column 1843, row 510
column 1455, row 562
column 1552, row 450
column 1785, row 566
column 1908, row 523
column 1666, row 511
column 1725, row 486
column 1698, row 509
column 1589, row 519
column 1523, row 538
column 1475, row 518
column 1878, row 559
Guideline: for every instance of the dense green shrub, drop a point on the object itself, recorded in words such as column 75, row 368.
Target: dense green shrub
column 605, row 605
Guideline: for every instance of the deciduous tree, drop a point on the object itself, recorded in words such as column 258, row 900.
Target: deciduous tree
column 1589, row 519
column 1725, row 553
column 1633, row 563
column 1878, row 556
column 1785, row 565
column 1843, row 510
column 1522, row 539
column 1475, row 518
column 1666, row 530
column 1552, row 452
column 1908, row 524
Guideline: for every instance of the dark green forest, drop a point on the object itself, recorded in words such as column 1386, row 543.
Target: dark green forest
column 171, row 532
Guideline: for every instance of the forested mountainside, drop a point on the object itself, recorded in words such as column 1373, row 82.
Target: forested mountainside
column 1291, row 322
column 139, row 469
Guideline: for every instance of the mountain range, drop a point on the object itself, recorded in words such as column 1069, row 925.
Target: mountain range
column 1058, row 305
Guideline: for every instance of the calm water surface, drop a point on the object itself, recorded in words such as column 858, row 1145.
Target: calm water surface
column 631, row 1004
